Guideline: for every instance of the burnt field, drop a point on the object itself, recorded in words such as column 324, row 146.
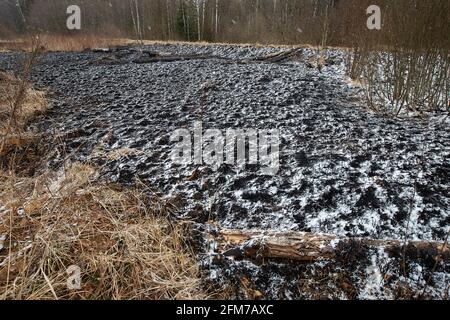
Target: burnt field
column 343, row 170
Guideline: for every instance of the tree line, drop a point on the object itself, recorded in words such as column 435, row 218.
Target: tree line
column 326, row 22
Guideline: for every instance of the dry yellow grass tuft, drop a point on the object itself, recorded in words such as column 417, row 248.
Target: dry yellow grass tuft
column 73, row 43
column 61, row 42
column 20, row 103
column 33, row 103
column 124, row 245
column 18, row 148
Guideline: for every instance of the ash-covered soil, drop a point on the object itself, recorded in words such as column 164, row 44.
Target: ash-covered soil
column 343, row 170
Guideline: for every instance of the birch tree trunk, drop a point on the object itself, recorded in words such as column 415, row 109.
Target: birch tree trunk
column 138, row 19
column 133, row 19
column 203, row 18
column 216, row 26
column 185, row 25
column 325, row 26
column 19, row 8
column 169, row 29
column 199, row 36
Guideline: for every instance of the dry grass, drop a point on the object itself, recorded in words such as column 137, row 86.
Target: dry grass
column 61, row 43
column 84, row 42
column 20, row 103
column 116, row 154
column 33, row 103
column 124, row 245
column 75, row 43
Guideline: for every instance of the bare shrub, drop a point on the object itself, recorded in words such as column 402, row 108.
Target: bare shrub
column 404, row 68
column 407, row 81
column 19, row 104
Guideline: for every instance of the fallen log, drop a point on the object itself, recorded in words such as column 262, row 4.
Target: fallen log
column 309, row 247
column 281, row 56
column 275, row 58
column 173, row 58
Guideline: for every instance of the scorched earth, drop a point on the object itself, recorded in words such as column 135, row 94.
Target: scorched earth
column 343, row 169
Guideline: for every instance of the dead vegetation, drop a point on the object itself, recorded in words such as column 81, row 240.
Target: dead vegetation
column 19, row 105
column 76, row 43
column 404, row 68
column 60, row 42
column 124, row 245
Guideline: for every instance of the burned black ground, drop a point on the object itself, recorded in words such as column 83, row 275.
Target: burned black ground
column 343, row 170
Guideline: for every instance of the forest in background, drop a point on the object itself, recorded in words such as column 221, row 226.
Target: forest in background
column 317, row 22
column 410, row 50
